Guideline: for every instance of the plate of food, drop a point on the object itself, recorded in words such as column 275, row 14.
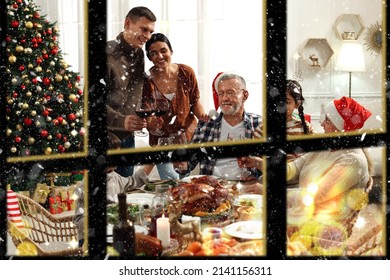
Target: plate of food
column 245, row 230
column 254, row 200
column 140, row 198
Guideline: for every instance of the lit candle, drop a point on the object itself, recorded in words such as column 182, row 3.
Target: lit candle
column 163, row 231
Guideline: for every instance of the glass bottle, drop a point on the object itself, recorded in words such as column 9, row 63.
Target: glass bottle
column 123, row 231
column 160, row 204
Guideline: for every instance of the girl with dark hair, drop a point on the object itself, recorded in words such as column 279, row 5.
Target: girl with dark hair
column 296, row 125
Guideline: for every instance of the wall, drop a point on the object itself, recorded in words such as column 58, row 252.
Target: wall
column 315, row 19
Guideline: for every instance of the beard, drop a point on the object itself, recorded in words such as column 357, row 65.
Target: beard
column 233, row 109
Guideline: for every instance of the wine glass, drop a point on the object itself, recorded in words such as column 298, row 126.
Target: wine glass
column 161, row 107
column 143, row 110
column 180, row 139
column 244, row 173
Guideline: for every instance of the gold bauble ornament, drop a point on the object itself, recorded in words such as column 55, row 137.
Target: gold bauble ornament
column 25, row 106
column 66, row 77
column 29, row 24
column 72, row 97
column 48, row 151
column 51, row 88
column 19, row 48
column 14, row 81
column 55, row 29
column 10, row 101
column 28, row 50
column 49, row 137
column 24, row 76
column 30, row 66
column 12, row 59
column 8, row 132
column 33, row 113
column 38, row 35
column 39, row 26
column 31, row 140
column 48, row 119
column 13, row 150
column 19, row 127
column 29, row 93
column 27, row 82
column 52, row 63
column 67, row 144
column 38, row 69
column 58, row 78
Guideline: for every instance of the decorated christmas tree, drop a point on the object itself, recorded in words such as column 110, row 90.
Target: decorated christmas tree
column 44, row 110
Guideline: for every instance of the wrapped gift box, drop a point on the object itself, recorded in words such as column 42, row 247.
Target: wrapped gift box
column 41, row 193
column 55, row 204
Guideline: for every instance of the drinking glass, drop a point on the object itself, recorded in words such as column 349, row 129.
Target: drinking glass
column 164, row 141
column 161, row 107
column 143, row 110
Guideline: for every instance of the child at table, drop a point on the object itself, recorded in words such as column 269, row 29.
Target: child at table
column 115, row 184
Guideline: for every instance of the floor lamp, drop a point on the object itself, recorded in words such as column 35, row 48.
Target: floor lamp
column 351, row 59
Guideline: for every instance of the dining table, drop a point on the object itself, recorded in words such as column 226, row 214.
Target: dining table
column 240, row 230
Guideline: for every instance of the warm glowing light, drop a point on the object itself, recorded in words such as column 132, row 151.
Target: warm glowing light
column 360, row 222
column 308, row 200
column 74, row 243
column 312, row 188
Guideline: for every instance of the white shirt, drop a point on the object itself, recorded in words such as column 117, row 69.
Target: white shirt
column 228, row 167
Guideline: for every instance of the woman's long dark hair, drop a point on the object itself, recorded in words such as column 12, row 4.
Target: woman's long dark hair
column 295, row 89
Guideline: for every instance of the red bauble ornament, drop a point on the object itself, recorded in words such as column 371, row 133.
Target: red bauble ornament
column 44, row 133
column 14, row 94
column 39, row 40
column 34, row 40
column 54, row 51
column 34, row 81
column 18, row 139
column 46, row 81
column 78, row 78
column 76, row 100
column 21, row 68
column 65, row 138
column 45, row 113
column 23, row 86
column 49, row 31
column 15, row 6
column 19, row 1
column 39, row 60
column 35, row 45
column 80, row 92
column 27, row 121
column 36, row 15
column 58, row 135
column 71, row 117
column 56, row 122
column 54, row 38
column 22, row 41
column 45, row 56
column 8, row 38
column 61, row 148
column 14, row 23
column 60, row 119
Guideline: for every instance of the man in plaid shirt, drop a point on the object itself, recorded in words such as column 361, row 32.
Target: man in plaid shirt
column 232, row 123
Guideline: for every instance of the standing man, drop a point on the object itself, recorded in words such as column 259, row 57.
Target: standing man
column 125, row 77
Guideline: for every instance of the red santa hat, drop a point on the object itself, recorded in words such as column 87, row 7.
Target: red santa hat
column 346, row 114
column 215, row 93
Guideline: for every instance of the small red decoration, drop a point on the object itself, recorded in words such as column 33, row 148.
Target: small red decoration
column 14, row 23
column 71, row 117
column 21, row 68
column 46, row 81
column 45, row 113
column 55, row 205
column 18, row 139
column 27, row 121
column 44, row 133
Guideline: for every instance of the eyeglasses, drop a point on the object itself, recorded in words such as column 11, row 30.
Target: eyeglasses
column 229, row 93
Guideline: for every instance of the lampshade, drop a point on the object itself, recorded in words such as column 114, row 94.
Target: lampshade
column 351, row 58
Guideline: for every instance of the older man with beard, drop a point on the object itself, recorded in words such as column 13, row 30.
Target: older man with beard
column 231, row 124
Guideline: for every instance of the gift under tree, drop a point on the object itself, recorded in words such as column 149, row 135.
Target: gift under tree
column 44, row 110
